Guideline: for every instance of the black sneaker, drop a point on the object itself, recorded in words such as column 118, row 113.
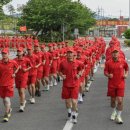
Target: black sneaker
column 83, row 95
column 69, row 116
column 38, row 93
column 58, row 78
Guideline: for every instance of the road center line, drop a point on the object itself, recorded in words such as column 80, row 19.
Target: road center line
column 68, row 125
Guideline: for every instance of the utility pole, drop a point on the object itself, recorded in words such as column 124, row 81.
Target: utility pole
column 98, row 13
column 120, row 12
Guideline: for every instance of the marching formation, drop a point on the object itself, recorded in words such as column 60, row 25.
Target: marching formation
column 40, row 65
column 37, row 63
column 17, row 41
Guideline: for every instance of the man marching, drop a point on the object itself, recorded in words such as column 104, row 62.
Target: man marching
column 70, row 70
column 24, row 67
column 8, row 69
column 116, row 69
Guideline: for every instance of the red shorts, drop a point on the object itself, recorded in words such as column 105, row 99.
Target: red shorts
column 116, row 92
column 21, row 83
column 46, row 71
column 6, row 91
column 32, row 79
column 39, row 75
column 70, row 93
column 53, row 69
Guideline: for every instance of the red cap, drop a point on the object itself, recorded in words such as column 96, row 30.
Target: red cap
column 29, row 48
column 50, row 45
column 63, row 43
column 70, row 50
column 20, row 49
column 54, row 44
column 5, row 50
column 115, row 49
column 36, row 45
column 43, row 46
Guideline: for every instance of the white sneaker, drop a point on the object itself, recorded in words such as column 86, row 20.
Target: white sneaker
column 74, row 119
column 89, row 83
column 113, row 115
column 21, row 109
column 30, row 99
column 47, row 88
column 80, row 99
column 76, row 114
column 87, row 89
column 92, row 79
column 119, row 120
column 33, row 101
column 51, row 84
column 95, row 69
column 55, row 83
column 61, row 79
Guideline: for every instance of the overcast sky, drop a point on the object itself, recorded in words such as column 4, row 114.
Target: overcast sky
column 110, row 7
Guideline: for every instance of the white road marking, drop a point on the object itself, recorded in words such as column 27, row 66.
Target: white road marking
column 68, row 125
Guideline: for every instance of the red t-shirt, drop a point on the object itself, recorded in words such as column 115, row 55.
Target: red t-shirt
column 24, row 63
column 117, row 69
column 41, row 57
column 6, row 72
column 34, row 61
column 70, row 69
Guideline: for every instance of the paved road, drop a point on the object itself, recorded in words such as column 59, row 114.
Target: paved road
column 49, row 111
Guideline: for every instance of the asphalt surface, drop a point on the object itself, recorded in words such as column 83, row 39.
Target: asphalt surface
column 49, row 112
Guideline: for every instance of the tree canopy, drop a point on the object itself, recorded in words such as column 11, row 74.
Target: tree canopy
column 2, row 3
column 49, row 16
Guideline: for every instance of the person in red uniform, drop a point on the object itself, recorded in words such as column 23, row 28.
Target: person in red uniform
column 24, row 67
column 40, row 55
column 54, row 66
column 116, row 70
column 46, row 68
column 32, row 77
column 83, row 59
column 8, row 69
column 70, row 71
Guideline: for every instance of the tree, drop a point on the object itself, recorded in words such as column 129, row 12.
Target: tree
column 48, row 17
column 11, row 9
column 127, row 34
column 2, row 3
column 20, row 8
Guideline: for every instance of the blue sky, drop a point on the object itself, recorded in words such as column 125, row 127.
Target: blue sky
column 111, row 7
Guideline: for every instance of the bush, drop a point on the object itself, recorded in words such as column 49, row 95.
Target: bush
column 127, row 42
column 127, row 34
